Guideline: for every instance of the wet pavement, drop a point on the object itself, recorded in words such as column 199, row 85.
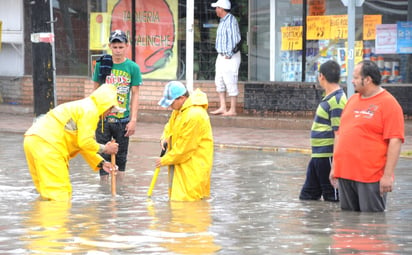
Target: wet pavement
column 230, row 135
column 253, row 209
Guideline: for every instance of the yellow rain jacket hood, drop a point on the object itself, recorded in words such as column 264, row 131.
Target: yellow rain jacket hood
column 190, row 152
column 70, row 127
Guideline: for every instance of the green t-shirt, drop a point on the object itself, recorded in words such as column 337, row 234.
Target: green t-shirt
column 123, row 76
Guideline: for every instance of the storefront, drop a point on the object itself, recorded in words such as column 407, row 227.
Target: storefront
column 284, row 41
column 274, row 47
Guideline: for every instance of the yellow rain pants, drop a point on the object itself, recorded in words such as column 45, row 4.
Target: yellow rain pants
column 42, row 159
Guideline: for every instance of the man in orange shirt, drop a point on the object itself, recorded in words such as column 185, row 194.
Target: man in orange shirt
column 368, row 143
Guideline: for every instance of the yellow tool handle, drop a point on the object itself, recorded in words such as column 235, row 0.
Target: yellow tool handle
column 152, row 184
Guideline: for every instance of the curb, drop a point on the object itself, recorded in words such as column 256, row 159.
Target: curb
column 238, row 147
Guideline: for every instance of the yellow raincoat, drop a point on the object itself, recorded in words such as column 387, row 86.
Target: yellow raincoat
column 190, row 152
column 60, row 135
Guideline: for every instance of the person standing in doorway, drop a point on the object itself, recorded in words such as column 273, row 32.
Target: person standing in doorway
column 322, row 136
column 368, row 143
column 228, row 58
column 126, row 76
column 188, row 134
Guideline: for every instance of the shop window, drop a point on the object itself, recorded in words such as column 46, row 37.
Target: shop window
column 71, row 37
column 382, row 34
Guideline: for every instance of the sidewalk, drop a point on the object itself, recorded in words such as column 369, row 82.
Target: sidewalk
column 226, row 131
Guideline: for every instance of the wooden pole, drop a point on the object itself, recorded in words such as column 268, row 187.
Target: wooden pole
column 113, row 173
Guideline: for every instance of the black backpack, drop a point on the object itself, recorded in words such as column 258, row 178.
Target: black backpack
column 106, row 64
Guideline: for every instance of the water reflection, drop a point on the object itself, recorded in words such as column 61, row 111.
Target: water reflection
column 363, row 233
column 184, row 227
column 254, row 209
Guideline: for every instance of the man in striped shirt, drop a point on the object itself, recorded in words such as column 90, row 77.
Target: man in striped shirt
column 228, row 58
column 325, row 124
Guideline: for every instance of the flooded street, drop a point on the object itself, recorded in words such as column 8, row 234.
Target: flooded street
column 254, row 209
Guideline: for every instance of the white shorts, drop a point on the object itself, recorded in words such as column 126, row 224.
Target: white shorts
column 227, row 72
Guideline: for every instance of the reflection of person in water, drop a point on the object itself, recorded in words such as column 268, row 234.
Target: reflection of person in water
column 188, row 227
column 53, row 227
column 47, row 227
column 363, row 234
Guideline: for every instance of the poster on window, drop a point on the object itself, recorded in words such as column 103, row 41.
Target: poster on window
column 291, row 38
column 385, row 42
column 404, row 37
column 99, row 31
column 369, row 26
column 155, row 43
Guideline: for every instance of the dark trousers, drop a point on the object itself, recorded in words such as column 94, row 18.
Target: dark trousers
column 114, row 131
column 317, row 182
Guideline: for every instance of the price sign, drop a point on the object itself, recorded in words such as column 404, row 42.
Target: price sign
column 318, row 27
column 292, row 38
column 339, row 26
column 369, row 26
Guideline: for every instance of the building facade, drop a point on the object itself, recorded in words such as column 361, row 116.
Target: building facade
column 284, row 42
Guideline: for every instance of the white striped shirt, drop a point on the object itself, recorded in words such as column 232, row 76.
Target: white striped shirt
column 227, row 35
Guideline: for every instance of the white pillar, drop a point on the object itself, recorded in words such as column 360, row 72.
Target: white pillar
column 351, row 4
column 351, row 46
column 190, row 9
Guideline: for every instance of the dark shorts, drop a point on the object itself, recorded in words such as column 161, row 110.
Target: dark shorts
column 361, row 197
column 114, row 131
column 317, row 182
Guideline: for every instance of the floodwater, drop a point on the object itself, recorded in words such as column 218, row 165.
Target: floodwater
column 254, row 209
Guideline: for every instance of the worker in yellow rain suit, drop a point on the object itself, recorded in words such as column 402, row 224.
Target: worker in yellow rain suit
column 60, row 135
column 190, row 143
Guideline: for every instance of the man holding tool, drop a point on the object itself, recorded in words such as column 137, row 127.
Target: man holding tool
column 61, row 134
column 188, row 134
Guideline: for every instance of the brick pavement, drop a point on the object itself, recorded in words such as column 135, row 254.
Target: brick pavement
column 230, row 135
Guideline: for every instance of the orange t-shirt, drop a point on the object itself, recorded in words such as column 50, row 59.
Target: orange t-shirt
column 367, row 124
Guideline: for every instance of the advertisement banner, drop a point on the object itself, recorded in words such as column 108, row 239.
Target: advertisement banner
column 155, row 43
column 369, row 26
column 385, row 42
column 404, row 45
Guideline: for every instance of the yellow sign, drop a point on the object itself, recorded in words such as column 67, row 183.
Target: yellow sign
column 99, row 30
column 369, row 26
column 358, row 51
column 339, row 26
column 292, row 38
column 318, row 27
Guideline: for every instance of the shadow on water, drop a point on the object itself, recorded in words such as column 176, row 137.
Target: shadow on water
column 254, row 209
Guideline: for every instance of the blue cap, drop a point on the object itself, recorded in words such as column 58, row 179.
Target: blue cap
column 173, row 90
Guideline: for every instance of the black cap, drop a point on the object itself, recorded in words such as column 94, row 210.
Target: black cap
column 118, row 35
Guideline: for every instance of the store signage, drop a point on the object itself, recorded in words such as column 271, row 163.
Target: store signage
column 317, row 7
column 292, row 38
column 369, row 26
column 156, row 23
column 318, row 27
column 385, row 42
column 404, row 45
column 339, row 26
